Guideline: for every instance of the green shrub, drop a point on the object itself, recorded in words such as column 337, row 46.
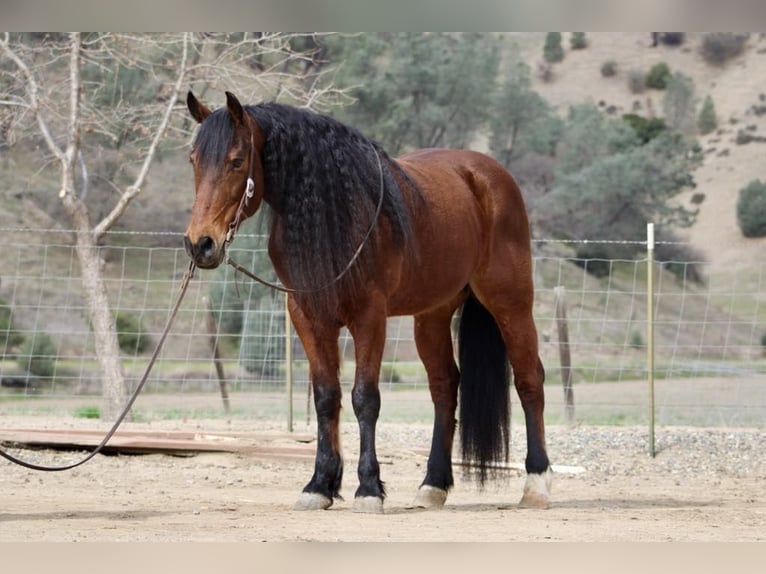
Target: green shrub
column 130, row 333
column 707, row 121
column 683, row 261
column 88, row 412
column 545, row 72
column 751, row 209
column 743, row 137
column 748, row 135
column 38, row 355
column 678, row 106
column 646, row 128
column 609, row 69
column 578, row 41
column 262, row 347
column 697, row 198
column 389, row 374
column 719, row 47
column 552, row 51
column 9, row 335
column 595, row 259
column 658, row 76
column 672, row 38
column 636, row 81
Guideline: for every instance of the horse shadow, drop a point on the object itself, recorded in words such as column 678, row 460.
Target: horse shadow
column 572, row 504
column 116, row 515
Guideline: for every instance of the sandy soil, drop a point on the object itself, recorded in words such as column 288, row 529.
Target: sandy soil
column 703, row 485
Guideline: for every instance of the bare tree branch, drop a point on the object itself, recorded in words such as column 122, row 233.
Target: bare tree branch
column 133, row 190
column 69, row 160
column 120, row 110
column 33, row 90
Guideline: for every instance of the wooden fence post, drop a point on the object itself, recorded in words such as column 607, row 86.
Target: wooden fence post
column 650, row 329
column 213, row 341
column 565, row 357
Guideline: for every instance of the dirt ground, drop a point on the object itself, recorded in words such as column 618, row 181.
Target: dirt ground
column 703, row 485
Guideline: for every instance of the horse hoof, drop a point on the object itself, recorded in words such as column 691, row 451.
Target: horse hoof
column 312, row 501
column 430, row 497
column 368, row 504
column 536, row 490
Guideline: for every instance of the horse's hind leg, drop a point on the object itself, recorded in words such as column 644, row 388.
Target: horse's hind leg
column 434, row 343
column 324, row 364
column 509, row 300
column 529, row 386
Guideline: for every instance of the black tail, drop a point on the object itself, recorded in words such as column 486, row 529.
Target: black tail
column 484, row 388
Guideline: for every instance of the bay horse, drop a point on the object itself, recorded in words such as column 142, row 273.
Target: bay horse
column 360, row 236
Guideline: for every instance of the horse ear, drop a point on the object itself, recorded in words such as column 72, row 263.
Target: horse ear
column 197, row 110
column 235, row 108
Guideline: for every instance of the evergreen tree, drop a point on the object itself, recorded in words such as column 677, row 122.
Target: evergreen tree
column 521, row 119
column 609, row 182
column 578, row 41
column 658, row 75
column 553, row 51
column 707, row 121
column 678, row 103
column 415, row 90
column 751, row 209
column 589, row 135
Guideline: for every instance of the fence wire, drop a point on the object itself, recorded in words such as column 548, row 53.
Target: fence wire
column 710, row 333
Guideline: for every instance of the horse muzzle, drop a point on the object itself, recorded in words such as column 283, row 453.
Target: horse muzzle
column 205, row 252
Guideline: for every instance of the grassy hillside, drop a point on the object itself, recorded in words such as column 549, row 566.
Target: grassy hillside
column 737, row 89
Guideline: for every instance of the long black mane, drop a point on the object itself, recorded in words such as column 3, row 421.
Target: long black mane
column 323, row 179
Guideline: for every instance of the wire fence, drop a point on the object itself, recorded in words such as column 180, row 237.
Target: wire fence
column 229, row 340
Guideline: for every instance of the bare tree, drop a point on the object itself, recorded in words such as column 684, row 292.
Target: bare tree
column 121, row 92
column 87, row 235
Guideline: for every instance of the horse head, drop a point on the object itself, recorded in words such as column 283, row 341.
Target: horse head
column 228, row 177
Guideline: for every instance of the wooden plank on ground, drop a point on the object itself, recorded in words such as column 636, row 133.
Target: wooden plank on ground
column 267, row 445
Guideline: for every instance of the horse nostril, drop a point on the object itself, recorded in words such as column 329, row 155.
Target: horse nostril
column 203, row 252
column 205, row 246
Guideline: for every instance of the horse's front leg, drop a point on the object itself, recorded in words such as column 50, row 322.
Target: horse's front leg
column 321, row 346
column 369, row 333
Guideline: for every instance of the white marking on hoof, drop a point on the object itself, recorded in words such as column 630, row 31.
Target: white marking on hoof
column 430, row 497
column 312, row 501
column 368, row 504
column 536, row 490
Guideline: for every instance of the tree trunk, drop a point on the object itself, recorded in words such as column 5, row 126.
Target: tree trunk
column 66, row 151
column 101, row 318
column 104, row 329
column 99, row 312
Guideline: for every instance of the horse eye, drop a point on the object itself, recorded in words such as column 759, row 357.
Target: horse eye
column 236, row 163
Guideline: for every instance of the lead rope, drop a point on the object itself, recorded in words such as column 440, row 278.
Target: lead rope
column 182, row 291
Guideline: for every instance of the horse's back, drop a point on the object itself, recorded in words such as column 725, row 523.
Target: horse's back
column 466, row 170
column 469, row 202
column 463, row 182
